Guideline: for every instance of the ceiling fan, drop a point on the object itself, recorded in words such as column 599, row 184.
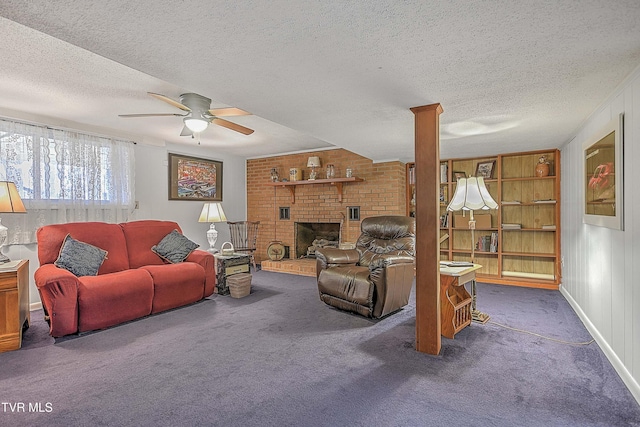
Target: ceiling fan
column 198, row 114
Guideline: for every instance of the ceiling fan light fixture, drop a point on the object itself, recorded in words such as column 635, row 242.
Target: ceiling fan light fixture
column 196, row 124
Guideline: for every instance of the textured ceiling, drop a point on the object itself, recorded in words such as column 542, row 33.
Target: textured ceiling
column 511, row 76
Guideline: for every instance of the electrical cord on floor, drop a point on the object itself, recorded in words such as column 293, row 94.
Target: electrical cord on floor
column 540, row 336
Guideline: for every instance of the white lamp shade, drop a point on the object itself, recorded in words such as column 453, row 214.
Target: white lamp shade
column 196, row 124
column 471, row 194
column 10, row 200
column 212, row 212
column 313, row 162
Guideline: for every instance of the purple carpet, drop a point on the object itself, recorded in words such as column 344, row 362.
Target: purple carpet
column 281, row 357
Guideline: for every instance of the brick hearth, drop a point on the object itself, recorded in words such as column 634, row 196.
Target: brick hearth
column 301, row 267
column 383, row 192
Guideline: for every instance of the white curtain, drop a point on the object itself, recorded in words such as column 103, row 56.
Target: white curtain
column 64, row 176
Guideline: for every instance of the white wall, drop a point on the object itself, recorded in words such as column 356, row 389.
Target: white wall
column 602, row 266
column 152, row 194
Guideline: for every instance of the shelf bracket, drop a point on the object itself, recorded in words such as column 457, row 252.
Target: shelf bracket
column 339, row 188
column 292, row 190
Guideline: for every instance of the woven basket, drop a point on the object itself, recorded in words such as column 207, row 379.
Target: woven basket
column 239, row 285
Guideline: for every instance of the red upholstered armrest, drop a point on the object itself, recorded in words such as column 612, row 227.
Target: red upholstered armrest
column 58, row 290
column 208, row 262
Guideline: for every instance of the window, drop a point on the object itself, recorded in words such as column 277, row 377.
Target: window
column 65, row 176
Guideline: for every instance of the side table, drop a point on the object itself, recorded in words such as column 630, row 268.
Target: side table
column 228, row 265
column 14, row 303
column 455, row 301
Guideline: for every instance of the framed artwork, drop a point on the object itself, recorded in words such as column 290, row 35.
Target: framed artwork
column 194, row 178
column 603, row 172
column 457, row 175
column 485, row 169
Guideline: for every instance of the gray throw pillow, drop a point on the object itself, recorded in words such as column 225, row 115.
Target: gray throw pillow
column 82, row 259
column 174, row 247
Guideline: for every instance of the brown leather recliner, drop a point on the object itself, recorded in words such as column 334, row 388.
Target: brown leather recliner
column 374, row 279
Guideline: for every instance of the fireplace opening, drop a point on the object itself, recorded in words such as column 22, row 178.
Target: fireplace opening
column 312, row 235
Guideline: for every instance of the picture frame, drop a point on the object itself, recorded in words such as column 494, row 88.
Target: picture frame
column 458, row 174
column 603, row 169
column 485, row 169
column 194, row 178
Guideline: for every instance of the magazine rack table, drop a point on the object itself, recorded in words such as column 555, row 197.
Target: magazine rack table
column 455, row 301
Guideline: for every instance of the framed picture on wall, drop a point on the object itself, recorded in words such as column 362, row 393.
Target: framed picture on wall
column 194, row 178
column 603, row 172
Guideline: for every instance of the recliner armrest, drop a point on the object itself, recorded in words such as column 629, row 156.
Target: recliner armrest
column 331, row 257
column 58, row 290
column 385, row 260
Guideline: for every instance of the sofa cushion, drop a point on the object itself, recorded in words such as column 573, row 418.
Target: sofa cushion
column 82, row 259
column 108, row 237
column 176, row 285
column 109, row 299
column 174, row 247
column 141, row 236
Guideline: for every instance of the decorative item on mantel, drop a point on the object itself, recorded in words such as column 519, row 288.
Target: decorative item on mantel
column 295, row 174
column 331, row 171
column 212, row 212
column 349, row 172
column 542, row 168
column 274, row 175
column 313, row 163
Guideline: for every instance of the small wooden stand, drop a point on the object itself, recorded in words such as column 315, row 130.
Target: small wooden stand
column 455, row 301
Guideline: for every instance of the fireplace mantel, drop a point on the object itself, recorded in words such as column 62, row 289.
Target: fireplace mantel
column 337, row 182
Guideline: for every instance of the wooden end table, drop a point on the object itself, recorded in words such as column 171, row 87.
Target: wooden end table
column 14, row 303
column 455, row 301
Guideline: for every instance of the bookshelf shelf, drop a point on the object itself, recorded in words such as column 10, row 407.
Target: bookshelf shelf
column 525, row 256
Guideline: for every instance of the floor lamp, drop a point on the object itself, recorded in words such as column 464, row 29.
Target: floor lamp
column 472, row 194
column 10, row 202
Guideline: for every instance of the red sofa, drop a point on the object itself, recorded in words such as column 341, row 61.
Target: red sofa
column 132, row 282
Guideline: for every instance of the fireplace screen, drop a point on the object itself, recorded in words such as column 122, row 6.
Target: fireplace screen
column 313, row 235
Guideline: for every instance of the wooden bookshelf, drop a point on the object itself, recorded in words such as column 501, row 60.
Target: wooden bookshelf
column 526, row 256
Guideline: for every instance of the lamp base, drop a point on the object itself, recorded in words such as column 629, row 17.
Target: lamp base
column 3, row 258
column 480, row 317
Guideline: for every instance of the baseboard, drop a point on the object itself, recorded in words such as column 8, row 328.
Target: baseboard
column 35, row 306
column 628, row 380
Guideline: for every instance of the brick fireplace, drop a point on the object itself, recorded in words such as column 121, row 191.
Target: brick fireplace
column 382, row 192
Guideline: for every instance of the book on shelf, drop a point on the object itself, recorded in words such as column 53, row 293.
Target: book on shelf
column 444, row 221
column 493, row 247
column 443, row 172
column 511, row 202
column 548, row 227
column 488, row 243
column 543, row 202
column 511, row 226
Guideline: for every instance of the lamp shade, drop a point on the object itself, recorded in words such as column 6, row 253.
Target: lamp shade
column 10, row 200
column 212, row 212
column 195, row 124
column 471, row 194
column 313, row 162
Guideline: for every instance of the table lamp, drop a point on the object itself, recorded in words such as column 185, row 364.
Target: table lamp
column 472, row 194
column 212, row 212
column 313, row 163
column 10, row 202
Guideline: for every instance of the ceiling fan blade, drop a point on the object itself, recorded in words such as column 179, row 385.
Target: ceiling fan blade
column 186, row 132
column 233, row 126
column 152, row 115
column 228, row 112
column 169, row 101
